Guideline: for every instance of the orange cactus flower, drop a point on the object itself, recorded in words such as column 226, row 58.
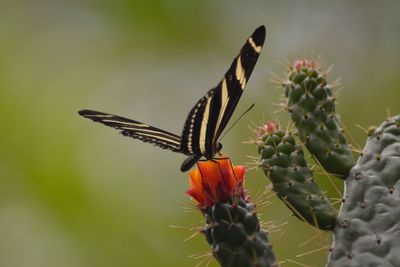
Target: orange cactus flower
column 216, row 181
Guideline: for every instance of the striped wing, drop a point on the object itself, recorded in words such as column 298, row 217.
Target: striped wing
column 137, row 130
column 209, row 117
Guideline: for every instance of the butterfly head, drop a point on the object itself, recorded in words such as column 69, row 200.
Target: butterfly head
column 218, row 148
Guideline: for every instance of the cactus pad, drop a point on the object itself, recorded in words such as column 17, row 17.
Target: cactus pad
column 233, row 231
column 312, row 107
column 284, row 163
column 367, row 232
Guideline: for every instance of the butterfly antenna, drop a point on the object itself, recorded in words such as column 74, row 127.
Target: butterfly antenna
column 237, row 120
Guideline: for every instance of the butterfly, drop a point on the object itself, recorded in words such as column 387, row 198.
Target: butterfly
column 207, row 119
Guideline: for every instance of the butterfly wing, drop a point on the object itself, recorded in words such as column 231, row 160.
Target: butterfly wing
column 193, row 140
column 135, row 129
column 209, row 117
column 235, row 80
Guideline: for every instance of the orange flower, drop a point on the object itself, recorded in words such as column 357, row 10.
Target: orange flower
column 216, row 181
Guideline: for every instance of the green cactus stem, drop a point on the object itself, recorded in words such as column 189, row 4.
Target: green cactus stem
column 367, row 232
column 232, row 225
column 233, row 231
column 284, row 163
column 312, row 106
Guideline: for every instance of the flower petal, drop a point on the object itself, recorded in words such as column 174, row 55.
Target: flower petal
column 214, row 181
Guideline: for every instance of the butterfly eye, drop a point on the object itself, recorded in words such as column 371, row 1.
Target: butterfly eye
column 218, row 147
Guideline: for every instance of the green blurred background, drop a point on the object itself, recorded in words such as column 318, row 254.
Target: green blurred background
column 74, row 193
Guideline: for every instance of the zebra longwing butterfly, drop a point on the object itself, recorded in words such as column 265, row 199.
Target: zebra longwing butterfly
column 207, row 119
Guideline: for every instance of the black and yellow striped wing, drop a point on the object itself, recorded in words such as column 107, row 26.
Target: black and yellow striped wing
column 137, row 130
column 209, row 117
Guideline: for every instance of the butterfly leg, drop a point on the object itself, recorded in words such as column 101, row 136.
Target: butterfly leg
column 220, row 170
column 239, row 187
column 235, row 195
column 206, row 187
column 230, row 162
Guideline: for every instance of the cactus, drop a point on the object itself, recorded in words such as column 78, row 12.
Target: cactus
column 368, row 230
column 312, row 107
column 284, row 163
column 233, row 231
column 232, row 226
